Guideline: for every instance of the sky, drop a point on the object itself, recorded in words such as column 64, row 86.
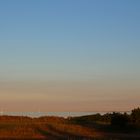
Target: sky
column 69, row 55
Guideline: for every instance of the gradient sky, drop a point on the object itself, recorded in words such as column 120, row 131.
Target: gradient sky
column 69, row 55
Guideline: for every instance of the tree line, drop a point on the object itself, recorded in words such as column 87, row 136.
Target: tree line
column 113, row 119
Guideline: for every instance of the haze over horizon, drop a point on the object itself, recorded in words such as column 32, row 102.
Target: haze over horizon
column 74, row 55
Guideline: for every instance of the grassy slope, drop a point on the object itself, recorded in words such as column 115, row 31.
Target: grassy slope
column 52, row 128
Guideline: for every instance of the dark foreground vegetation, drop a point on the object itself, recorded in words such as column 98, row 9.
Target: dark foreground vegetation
column 110, row 126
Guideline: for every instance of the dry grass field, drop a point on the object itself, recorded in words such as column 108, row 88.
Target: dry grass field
column 42, row 128
column 55, row 128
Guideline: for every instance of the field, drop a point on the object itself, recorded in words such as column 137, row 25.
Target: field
column 58, row 128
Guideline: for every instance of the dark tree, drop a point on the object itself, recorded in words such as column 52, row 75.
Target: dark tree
column 135, row 115
column 118, row 119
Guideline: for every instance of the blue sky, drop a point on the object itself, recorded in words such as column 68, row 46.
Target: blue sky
column 93, row 42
